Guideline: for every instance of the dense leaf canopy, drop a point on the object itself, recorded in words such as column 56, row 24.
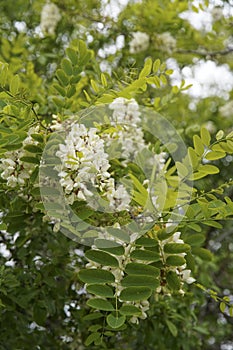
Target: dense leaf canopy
column 69, row 72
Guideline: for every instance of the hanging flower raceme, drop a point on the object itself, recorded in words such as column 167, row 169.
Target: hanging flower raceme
column 130, row 136
column 227, row 110
column 139, row 43
column 166, row 42
column 84, row 168
column 50, row 16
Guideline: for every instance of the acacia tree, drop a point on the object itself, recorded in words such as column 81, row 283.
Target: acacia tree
column 116, row 197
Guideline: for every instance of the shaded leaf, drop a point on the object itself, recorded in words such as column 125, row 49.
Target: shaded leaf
column 100, row 304
column 96, row 276
column 135, row 293
column 101, row 257
column 100, row 290
column 115, row 322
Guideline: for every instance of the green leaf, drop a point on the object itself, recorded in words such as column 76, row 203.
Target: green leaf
column 119, row 233
column 215, row 155
column 38, row 137
column 109, row 246
column 146, row 242
column 156, row 65
column 71, row 91
column 101, row 257
column 231, row 311
column 30, row 160
column 92, row 337
column 169, row 71
column 115, row 322
column 190, row 261
column 3, row 226
column 94, row 86
column 62, row 77
column 173, row 280
column 100, row 290
column 163, row 79
column 222, row 307
column 141, row 190
column 195, row 239
column 175, row 89
column 203, row 253
column 87, row 96
column 163, row 234
column 193, row 157
column 67, row 66
column 96, row 276
column 14, row 84
column 39, row 314
column 60, row 89
column 92, row 316
column 103, row 80
column 142, row 269
column 72, row 54
column 33, row 149
column 95, row 327
column 205, row 136
column 212, row 223
column 100, row 304
column 59, row 101
column 209, row 169
column 129, row 310
column 172, row 328
column 182, row 170
column 175, row 260
column 198, row 145
column 135, row 293
column 176, row 248
column 146, row 69
column 219, row 135
column 194, row 227
column 137, row 281
column 145, row 255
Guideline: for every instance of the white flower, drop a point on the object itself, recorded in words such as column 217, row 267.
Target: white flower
column 118, row 197
column 166, row 42
column 176, row 238
column 50, row 16
column 125, row 111
column 186, row 276
column 139, row 43
column 217, row 13
column 84, row 168
column 134, row 320
column 130, row 136
column 12, row 181
column 227, row 110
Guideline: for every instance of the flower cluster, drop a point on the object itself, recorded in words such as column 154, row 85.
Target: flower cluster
column 217, row 13
column 139, row 43
column 166, row 42
column 84, row 168
column 14, row 170
column 227, row 110
column 126, row 114
column 50, row 16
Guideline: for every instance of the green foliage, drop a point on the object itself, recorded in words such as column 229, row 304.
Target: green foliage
column 50, row 297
